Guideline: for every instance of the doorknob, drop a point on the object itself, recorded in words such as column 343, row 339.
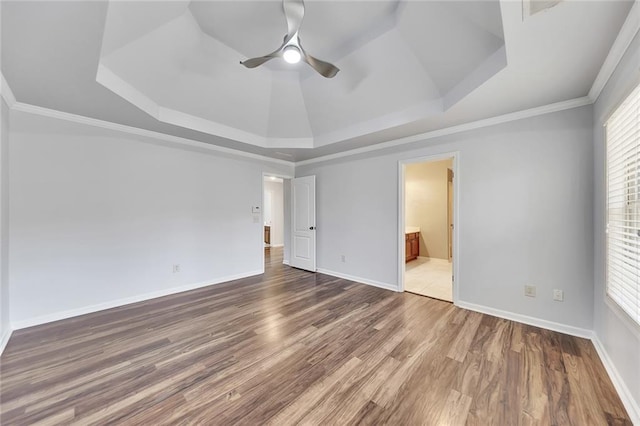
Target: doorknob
column 312, row 228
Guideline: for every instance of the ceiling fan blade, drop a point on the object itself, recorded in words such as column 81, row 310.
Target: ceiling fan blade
column 254, row 62
column 293, row 12
column 324, row 68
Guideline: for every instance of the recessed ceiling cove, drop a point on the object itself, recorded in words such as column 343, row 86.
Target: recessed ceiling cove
column 399, row 62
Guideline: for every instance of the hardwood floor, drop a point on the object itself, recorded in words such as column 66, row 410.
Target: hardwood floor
column 294, row 347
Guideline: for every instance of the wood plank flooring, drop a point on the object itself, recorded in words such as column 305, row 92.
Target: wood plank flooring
column 291, row 347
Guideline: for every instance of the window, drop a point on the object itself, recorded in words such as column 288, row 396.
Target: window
column 623, row 205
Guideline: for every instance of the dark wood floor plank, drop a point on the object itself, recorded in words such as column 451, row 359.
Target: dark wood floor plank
column 370, row 414
column 455, row 409
column 289, row 347
column 459, row 349
column 535, row 400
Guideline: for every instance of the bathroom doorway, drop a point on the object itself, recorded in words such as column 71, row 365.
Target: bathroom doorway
column 427, row 213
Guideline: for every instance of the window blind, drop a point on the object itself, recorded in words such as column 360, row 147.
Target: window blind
column 623, row 205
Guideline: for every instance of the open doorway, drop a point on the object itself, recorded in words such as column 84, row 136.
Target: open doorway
column 428, row 226
column 275, row 218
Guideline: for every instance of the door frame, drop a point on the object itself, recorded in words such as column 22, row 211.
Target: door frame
column 455, row 270
column 285, row 207
column 451, row 177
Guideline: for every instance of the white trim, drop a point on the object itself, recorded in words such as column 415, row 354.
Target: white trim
column 525, row 319
column 190, row 121
column 4, row 340
column 6, row 92
column 455, row 157
column 278, row 175
column 285, row 262
column 632, row 407
column 108, row 78
column 44, row 319
column 622, row 42
column 392, row 119
column 46, row 112
column 277, row 245
column 402, row 245
column 487, row 122
column 360, row 280
column 302, row 142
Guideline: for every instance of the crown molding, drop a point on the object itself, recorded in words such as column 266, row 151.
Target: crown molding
column 6, row 93
column 546, row 109
column 519, row 115
column 94, row 122
column 620, row 45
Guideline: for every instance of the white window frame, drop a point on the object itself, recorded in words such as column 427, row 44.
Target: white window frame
column 622, row 135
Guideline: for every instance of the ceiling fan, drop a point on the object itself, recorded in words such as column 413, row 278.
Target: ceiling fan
column 291, row 50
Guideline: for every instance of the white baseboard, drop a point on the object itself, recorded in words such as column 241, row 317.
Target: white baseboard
column 379, row 284
column 285, row 261
column 44, row 319
column 4, row 339
column 630, row 404
column 525, row 319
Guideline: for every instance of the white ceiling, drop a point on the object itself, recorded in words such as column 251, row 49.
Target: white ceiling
column 407, row 67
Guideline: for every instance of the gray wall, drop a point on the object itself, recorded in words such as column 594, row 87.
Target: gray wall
column 100, row 217
column 5, row 326
column 526, row 203
column 616, row 332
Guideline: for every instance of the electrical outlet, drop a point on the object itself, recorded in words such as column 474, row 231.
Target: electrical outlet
column 176, row 268
column 530, row 290
column 558, row 295
column 343, row 259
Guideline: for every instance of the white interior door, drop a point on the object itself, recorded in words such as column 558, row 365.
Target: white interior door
column 303, row 223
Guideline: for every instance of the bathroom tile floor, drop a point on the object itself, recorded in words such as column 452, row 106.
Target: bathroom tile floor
column 429, row 277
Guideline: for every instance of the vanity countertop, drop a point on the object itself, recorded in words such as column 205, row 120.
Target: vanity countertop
column 411, row 229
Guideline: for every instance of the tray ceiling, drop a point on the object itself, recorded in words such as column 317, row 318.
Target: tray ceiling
column 407, row 67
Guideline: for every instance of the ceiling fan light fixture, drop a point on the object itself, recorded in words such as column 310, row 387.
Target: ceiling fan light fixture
column 290, row 50
column 291, row 54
